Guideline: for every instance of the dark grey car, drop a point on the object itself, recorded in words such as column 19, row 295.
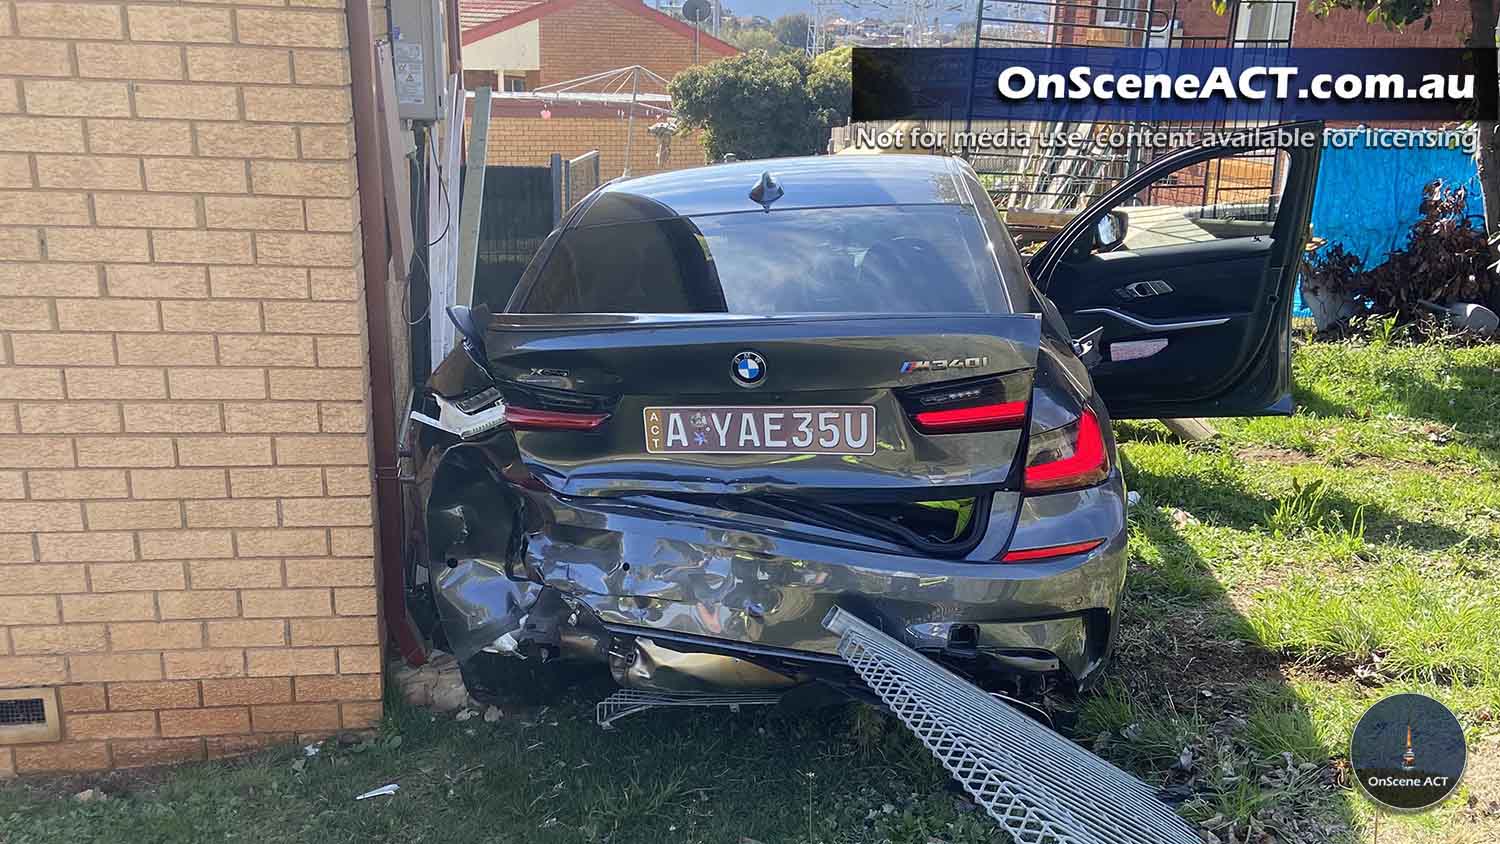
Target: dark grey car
column 722, row 401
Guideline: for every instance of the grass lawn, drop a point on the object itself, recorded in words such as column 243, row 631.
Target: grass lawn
column 1284, row 576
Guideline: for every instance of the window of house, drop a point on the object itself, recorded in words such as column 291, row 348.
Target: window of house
column 1263, row 21
column 1117, row 12
column 515, row 84
column 476, row 79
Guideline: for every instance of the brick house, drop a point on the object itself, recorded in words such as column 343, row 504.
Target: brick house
column 187, row 557
column 516, row 46
column 1120, row 22
column 519, row 45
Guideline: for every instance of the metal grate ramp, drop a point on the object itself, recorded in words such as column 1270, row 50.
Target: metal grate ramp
column 630, row 701
column 1040, row 787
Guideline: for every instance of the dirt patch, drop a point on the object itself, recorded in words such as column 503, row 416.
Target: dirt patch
column 110, row 784
column 1167, row 654
column 1267, row 454
column 1482, row 778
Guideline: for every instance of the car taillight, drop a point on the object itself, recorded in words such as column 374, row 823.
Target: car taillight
column 1069, row 457
column 531, row 419
column 980, row 417
column 988, row 403
column 1031, row 555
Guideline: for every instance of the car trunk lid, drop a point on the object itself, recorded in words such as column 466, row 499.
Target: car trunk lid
column 625, row 368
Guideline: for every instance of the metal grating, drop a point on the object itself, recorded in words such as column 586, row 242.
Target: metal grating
column 1040, row 787
column 630, row 701
column 1032, row 175
column 29, row 710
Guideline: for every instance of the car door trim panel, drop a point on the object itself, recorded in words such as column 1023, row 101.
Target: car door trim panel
column 1147, row 325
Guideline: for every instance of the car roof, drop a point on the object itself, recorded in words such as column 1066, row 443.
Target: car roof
column 823, row 181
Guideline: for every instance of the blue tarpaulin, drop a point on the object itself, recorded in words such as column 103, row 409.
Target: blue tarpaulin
column 1368, row 195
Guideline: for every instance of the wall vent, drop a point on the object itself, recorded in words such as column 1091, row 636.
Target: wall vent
column 28, row 715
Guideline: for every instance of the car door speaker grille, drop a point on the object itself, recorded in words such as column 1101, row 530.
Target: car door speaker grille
column 1040, row 787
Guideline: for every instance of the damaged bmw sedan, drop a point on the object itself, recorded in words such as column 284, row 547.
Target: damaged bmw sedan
column 722, row 402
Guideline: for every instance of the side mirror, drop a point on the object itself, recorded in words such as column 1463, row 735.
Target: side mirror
column 470, row 335
column 1109, row 232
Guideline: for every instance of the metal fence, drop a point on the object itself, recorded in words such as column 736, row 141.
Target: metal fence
column 572, row 180
column 520, row 207
column 516, row 217
column 1028, row 174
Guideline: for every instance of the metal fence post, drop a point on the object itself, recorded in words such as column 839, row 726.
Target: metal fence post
column 556, row 166
column 472, row 205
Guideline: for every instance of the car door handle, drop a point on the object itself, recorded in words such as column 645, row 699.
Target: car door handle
column 1143, row 289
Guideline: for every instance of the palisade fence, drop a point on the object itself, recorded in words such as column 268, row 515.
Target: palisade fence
column 572, row 180
column 1027, row 175
column 521, row 206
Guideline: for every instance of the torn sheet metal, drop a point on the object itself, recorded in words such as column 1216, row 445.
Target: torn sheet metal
column 1040, row 787
column 656, row 565
column 648, row 666
column 480, row 606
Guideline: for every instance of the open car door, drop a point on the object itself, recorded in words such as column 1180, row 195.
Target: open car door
column 1190, row 267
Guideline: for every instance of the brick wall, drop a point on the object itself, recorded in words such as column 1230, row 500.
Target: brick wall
column 532, row 140
column 593, row 36
column 185, row 531
column 1348, row 28
column 1341, row 28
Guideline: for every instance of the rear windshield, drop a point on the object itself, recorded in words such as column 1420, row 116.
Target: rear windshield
column 882, row 259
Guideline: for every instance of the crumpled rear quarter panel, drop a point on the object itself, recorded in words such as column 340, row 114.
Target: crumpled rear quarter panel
column 716, row 577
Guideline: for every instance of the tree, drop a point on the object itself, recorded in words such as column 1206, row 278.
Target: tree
column 1397, row 14
column 758, row 105
column 830, row 85
column 791, row 30
column 757, row 38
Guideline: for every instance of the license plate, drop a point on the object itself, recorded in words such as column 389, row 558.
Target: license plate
column 829, row 429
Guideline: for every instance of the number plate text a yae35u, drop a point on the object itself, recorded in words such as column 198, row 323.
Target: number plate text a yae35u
column 828, row 429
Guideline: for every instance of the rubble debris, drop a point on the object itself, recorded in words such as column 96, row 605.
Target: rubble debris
column 384, row 790
column 438, row 685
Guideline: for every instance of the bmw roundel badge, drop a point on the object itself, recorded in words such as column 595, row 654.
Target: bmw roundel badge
column 748, row 369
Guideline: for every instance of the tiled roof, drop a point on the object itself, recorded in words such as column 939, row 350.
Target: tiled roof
column 479, row 19
column 472, row 13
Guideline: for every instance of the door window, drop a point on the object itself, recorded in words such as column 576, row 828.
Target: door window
column 1229, row 197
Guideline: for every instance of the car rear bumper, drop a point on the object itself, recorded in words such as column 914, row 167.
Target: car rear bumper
column 690, row 577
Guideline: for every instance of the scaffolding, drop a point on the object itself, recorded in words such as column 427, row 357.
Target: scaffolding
column 1028, row 174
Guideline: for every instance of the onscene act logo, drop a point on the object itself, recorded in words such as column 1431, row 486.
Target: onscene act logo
column 1408, row 752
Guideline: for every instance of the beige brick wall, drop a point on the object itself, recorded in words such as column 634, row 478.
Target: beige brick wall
column 186, row 549
column 533, row 140
column 594, row 36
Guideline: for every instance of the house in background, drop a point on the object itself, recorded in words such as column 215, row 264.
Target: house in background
column 520, row 45
column 1248, row 23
